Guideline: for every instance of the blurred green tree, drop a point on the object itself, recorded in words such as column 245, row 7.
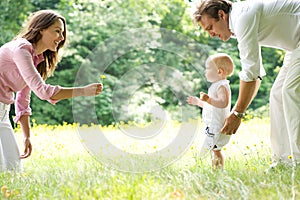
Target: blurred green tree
column 147, row 35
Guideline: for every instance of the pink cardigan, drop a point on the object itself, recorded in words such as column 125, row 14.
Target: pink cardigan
column 18, row 73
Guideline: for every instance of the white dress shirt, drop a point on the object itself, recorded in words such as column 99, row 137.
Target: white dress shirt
column 256, row 23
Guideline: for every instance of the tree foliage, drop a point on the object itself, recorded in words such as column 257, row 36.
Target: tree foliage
column 103, row 28
column 13, row 13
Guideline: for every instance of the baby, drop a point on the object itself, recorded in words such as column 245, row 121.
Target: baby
column 216, row 105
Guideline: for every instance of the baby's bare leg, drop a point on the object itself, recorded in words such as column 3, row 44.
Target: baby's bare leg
column 217, row 161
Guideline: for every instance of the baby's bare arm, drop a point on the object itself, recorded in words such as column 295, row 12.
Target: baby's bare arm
column 221, row 101
column 194, row 101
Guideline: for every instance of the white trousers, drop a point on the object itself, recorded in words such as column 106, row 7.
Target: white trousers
column 9, row 151
column 285, row 110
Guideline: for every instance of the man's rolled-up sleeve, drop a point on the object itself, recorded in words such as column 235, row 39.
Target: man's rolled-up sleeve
column 249, row 48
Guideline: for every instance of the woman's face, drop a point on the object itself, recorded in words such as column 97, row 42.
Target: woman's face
column 52, row 36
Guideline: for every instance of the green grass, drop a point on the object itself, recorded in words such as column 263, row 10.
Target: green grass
column 60, row 168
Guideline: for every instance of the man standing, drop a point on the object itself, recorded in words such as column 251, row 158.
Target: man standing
column 273, row 23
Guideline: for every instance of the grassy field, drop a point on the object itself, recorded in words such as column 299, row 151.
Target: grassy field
column 61, row 168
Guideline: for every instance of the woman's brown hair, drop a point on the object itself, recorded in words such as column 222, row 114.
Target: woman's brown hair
column 37, row 22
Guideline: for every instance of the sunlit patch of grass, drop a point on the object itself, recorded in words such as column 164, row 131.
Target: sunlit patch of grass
column 61, row 168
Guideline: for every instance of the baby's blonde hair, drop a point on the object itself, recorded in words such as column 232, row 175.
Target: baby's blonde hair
column 222, row 61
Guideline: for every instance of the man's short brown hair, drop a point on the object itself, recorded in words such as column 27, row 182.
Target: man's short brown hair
column 211, row 8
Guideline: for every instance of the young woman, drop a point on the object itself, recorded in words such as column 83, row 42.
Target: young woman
column 25, row 64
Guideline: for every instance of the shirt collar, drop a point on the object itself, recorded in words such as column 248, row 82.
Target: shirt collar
column 38, row 58
column 231, row 17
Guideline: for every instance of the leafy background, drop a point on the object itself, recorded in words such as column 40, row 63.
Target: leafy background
column 91, row 22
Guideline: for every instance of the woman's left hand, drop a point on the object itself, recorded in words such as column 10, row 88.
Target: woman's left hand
column 28, row 148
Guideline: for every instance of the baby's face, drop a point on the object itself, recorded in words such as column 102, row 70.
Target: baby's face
column 212, row 72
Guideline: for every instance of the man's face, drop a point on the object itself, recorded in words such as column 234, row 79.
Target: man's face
column 216, row 28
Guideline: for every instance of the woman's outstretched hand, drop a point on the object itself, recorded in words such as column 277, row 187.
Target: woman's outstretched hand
column 88, row 90
column 93, row 89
